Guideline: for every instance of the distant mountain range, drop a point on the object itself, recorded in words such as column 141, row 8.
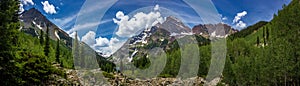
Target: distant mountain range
column 173, row 27
column 217, row 30
column 164, row 34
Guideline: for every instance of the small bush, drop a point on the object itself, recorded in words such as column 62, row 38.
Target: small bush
column 108, row 75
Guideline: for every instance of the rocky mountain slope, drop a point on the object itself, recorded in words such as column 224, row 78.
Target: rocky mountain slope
column 33, row 21
column 217, row 30
column 174, row 25
column 159, row 35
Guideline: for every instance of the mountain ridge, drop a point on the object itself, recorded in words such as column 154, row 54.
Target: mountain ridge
column 34, row 21
column 220, row 30
column 164, row 35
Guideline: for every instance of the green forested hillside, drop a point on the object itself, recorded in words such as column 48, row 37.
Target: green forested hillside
column 21, row 59
column 28, row 64
column 268, row 56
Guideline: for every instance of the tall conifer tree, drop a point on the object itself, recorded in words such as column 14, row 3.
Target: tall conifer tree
column 9, row 24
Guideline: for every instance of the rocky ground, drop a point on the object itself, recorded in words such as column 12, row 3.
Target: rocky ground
column 70, row 78
column 88, row 78
column 121, row 80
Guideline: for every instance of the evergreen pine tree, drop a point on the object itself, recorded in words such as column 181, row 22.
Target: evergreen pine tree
column 41, row 37
column 264, row 36
column 8, row 42
column 57, row 51
column 267, row 33
column 47, row 45
column 75, row 51
column 257, row 41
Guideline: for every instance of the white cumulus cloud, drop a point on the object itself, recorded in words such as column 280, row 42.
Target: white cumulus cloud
column 21, row 9
column 224, row 18
column 113, row 45
column 73, row 34
column 131, row 26
column 239, row 16
column 89, row 38
column 120, row 15
column 241, row 25
column 48, row 8
column 107, row 47
column 156, row 7
column 27, row 2
column 101, row 41
column 24, row 2
column 127, row 28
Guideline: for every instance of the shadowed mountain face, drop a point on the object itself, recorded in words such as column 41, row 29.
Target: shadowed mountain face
column 33, row 21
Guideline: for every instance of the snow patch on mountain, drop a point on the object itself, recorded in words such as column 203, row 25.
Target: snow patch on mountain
column 39, row 26
column 56, row 35
column 141, row 38
column 132, row 55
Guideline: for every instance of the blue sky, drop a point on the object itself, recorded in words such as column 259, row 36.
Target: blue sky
column 64, row 13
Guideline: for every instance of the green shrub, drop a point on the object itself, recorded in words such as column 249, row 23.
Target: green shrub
column 108, row 75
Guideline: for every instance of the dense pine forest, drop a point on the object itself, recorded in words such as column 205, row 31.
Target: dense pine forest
column 270, row 54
